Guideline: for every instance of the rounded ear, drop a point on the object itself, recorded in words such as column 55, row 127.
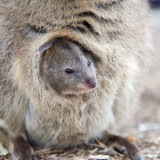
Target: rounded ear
column 45, row 46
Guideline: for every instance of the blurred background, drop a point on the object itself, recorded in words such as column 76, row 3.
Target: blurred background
column 154, row 3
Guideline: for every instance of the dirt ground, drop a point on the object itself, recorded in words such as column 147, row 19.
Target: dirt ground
column 143, row 130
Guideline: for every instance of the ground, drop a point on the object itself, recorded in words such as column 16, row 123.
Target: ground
column 143, row 130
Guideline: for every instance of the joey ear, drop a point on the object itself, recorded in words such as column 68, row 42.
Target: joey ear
column 45, row 46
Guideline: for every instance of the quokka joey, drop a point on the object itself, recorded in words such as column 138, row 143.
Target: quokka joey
column 70, row 71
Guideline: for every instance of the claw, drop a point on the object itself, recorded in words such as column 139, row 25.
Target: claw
column 33, row 157
column 121, row 151
column 137, row 157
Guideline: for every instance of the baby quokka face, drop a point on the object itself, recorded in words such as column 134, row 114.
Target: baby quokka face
column 68, row 69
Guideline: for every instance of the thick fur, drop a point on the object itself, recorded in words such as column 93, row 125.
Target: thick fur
column 116, row 32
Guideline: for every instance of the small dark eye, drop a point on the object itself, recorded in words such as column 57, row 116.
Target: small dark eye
column 69, row 71
column 89, row 63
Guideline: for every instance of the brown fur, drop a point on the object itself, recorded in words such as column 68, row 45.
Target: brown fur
column 132, row 151
column 115, row 32
column 21, row 149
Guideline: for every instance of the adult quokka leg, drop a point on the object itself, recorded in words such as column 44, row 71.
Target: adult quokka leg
column 132, row 150
column 13, row 119
column 20, row 149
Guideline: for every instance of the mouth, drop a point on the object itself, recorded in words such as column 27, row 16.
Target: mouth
column 86, row 87
column 80, row 89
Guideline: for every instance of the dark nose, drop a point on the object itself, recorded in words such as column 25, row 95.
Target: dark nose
column 91, row 83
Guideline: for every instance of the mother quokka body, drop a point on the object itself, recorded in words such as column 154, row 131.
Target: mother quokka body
column 114, row 33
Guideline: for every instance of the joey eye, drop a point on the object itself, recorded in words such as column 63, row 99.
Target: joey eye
column 69, row 71
column 89, row 63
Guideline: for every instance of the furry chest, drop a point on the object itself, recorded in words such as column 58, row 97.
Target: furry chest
column 62, row 129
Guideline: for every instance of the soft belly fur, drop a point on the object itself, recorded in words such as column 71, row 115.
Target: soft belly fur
column 69, row 125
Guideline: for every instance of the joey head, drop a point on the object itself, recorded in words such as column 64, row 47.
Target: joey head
column 68, row 68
